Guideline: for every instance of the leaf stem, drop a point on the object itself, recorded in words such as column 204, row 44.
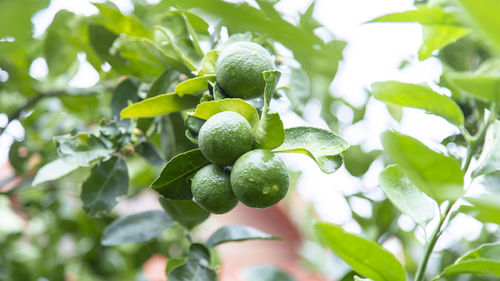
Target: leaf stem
column 474, row 143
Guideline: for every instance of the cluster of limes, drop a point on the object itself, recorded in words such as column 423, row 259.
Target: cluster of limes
column 256, row 177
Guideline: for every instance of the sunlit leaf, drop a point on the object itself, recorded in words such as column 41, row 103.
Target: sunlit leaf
column 321, row 145
column 207, row 109
column 160, row 105
column 365, row 257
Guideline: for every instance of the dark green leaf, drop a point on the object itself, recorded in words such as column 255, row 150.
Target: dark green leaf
column 173, row 182
column 194, row 85
column 161, row 84
column 364, row 256
column 207, row 109
column 196, row 267
column 185, row 212
column 265, row 272
column 107, row 180
column 483, row 260
column 173, row 264
column 405, row 196
column 419, row 97
column 437, row 175
column 127, row 91
column 321, row 145
column 357, row 161
column 234, row 233
column 150, row 153
column 159, row 105
column 136, row 228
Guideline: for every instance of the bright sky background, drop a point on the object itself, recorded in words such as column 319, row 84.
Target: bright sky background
column 374, row 53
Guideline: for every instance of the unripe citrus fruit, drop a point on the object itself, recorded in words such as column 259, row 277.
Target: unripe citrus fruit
column 225, row 137
column 259, row 178
column 239, row 69
column 211, row 189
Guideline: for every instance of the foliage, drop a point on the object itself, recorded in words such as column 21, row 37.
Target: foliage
column 86, row 149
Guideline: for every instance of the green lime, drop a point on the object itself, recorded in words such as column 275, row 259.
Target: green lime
column 259, row 178
column 211, row 189
column 225, row 137
column 239, row 70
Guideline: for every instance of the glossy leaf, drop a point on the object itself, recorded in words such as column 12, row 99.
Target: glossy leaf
column 173, row 182
column 207, row 109
column 196, row 267
column 321, row 145
column 485, row 16
column 270, row 132
column 136, row 228
column 185, row 212
column 159, row 105
column 405, row 196
column 265, row 272
column 234, row 233
column 484, row 260
column 437, row 175
column 485, row 208
column 489, row 160
column 365, row 257
column 418, row 96
column 194, row 85
column 107, row 181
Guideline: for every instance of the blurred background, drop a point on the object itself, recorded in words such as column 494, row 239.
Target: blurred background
column 44, row 233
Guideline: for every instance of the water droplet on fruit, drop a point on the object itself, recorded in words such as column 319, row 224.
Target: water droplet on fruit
column 266, row 190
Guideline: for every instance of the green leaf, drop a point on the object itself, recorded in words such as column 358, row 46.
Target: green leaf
column 270, row 132
column 185, row 212
column 485, row 86
column 485, row 208
column 145, row 59
column 107, row 180
column 298, row 89
column 15, row 18
column 321, row 145
column 235, row 233
column 484, row 260
column 159, row 105
column 206, row 109
column 208, row 63
column 161, row 83
column 405, row 196
column 438, row 36
column 60, row 52
column 485, row 17
column 136, row 228
column 357, row 162
column 194, row 85
column 364, row 256
column 437, row 175
column 196, row 267
column 173, row 264
column 424, row 15
column 181, row 49
column 418, row 96
column 127, row 91
column 173, row 182
column 63, row 166
column 489, row 160
column 265, row 272
column 111, row 17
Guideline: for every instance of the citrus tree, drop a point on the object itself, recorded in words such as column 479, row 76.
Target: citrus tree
column 184, row 106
